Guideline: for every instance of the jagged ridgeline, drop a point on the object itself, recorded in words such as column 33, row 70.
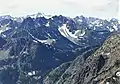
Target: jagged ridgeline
column 33, row 47
column 102, row 67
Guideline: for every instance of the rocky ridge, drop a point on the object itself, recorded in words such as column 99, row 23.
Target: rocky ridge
column 102, row 67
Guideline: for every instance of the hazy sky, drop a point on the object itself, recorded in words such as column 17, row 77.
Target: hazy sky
column 100, row 8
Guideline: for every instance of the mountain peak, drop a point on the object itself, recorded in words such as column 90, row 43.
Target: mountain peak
column 39, row 15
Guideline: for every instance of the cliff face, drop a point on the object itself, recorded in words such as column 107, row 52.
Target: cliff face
column 102, row 67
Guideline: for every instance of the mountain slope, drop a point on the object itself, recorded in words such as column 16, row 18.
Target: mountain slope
column 102, row 67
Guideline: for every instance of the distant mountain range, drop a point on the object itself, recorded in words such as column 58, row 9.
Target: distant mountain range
column 34, row 45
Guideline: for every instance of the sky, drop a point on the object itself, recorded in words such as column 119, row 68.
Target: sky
column 71, row 8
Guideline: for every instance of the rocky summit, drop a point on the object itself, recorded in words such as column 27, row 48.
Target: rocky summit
column 41, row 49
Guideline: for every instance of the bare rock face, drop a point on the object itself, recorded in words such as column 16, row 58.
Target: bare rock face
column 102, row 67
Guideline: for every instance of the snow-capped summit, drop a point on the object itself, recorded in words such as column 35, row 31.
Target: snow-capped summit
column 39, row 15
column 5, row 17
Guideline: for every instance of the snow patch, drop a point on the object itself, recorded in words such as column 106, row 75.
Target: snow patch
column 25, row 52
column 115, row 27
column 48, row 24
column 111, row 30
column 31, row 73
column 4, row 35
column 35, row 41
column 114, row 78
column 118, row 74
column 47, row 41
column 107, row 53
column 3, row 29
column 107, row 83
column 66, row 33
